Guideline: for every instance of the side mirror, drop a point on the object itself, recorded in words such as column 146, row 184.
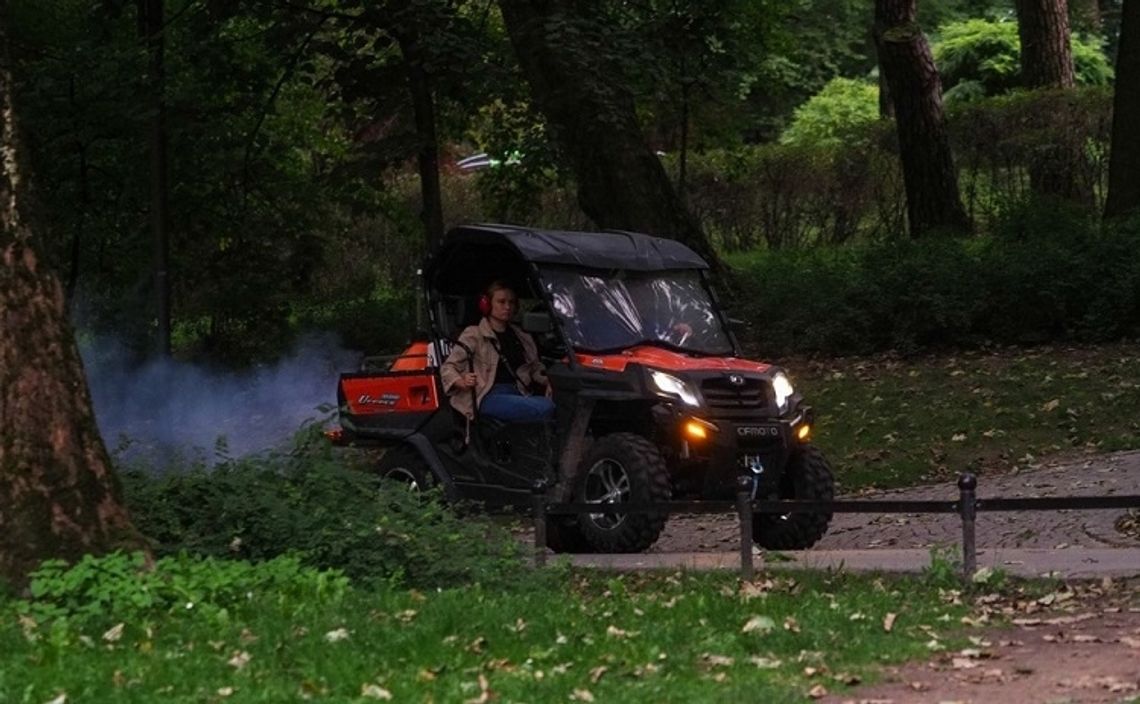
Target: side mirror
column 537, row 323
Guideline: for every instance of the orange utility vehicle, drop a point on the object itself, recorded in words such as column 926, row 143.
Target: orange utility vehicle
column 653, row 400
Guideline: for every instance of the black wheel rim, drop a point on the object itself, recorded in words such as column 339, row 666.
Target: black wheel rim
column 607, row 482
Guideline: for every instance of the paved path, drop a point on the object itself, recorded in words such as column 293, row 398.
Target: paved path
column 1097, row 562
column 1071, row 543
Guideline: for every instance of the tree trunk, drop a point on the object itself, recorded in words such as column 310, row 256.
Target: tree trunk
column 58, row 495
column 1046, row 57
column 932, row 198
column 1124, row 159
column 423, row 105
column 152, row 30
column 621, row 183
column 1047, row 62
column 1085, row 16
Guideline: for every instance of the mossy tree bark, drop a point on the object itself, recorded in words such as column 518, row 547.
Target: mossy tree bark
column 621, row 183
column 1124, row 161
column 58, row 494
column 932, row 198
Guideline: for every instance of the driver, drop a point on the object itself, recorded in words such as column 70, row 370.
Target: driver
column 495, row 366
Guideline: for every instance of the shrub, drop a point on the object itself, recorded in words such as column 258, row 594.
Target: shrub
column 844, row 107
column 100, row 591
column 1053, row 277
column 310, row 505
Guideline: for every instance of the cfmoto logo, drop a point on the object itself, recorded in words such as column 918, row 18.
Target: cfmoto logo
column 736, row 380
column 757, row 431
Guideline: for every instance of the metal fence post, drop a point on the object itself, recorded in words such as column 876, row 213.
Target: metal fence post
column 538, row 501
column 967, row 508
column 744, row 509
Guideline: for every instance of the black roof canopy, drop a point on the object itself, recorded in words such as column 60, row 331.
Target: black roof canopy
column 472, row 255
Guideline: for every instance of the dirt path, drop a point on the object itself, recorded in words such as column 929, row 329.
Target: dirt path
column 1086, row 651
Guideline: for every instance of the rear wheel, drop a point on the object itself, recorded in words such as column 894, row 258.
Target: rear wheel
column 406, row 466
column 622, row 468
column 808, row 477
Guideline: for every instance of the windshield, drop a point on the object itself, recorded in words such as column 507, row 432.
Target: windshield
column 614, row 310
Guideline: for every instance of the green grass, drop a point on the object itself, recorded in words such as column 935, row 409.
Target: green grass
column 557, row 636
column 890, row 422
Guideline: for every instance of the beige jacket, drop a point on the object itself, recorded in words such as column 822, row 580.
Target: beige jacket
column 481, row 339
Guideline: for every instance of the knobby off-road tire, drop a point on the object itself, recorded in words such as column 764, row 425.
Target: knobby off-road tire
column 404, row 464
column 646, row 479
column 808, row 477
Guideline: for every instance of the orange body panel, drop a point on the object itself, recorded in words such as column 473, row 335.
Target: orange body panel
column 667, row 360
column 391, row 394
column 412, row 359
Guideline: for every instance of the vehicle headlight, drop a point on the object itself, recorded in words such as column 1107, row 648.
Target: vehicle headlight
column 783, row 388
column 672, row 385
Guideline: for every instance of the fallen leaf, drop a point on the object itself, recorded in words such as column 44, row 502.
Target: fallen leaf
column 582, row 695
column 239, row 659
column 337, row 636
column 763, row 624
column 1051, row 405
column 597, row 672
column 224, row 692
column 765, row 663
column 114, row 633
column 717, row 660
column 889, row 622
column 61, row 698
column 615, row 632
column 791, row 625
column 817, row 692
column 375, row 691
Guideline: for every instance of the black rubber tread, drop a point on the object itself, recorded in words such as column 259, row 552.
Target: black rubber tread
column 809, row 478
column 408, row 458
column 649, row 481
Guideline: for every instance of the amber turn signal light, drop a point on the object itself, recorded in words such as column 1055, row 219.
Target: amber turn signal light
column 803, row 432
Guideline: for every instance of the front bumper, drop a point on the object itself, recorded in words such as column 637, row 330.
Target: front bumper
column 758, row 448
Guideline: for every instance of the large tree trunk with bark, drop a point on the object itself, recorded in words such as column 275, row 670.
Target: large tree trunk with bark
column 1124, row 160
column 915, row 89
column 58, row 494
column 1047, row 62
column 1046, row 56
column 621, row 183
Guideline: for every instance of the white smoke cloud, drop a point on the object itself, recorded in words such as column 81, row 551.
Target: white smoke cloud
column 167, row 408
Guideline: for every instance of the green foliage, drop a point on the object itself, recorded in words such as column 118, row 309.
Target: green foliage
column 97, row 592
column 1062, row 281
column 843, row 108
column 980, row 57
column 310, row 505
column 525, row 163
column 620, row 637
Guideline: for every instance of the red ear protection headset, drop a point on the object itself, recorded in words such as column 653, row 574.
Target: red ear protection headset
column 485, row 305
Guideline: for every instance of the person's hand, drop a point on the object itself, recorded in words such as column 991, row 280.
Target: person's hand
column 467, row 380
column 549, row 390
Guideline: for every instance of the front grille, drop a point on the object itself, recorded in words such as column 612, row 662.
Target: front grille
column 722, row 395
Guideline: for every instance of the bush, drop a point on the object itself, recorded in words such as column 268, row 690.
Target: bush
column 843, row 108
column 330, row 516
column 1051, row 278
column 119, row 588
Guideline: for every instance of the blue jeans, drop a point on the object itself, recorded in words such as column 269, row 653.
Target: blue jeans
column 505, row 402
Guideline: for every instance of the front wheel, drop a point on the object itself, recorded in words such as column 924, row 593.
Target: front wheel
column 622, row 468
column 806, row 478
